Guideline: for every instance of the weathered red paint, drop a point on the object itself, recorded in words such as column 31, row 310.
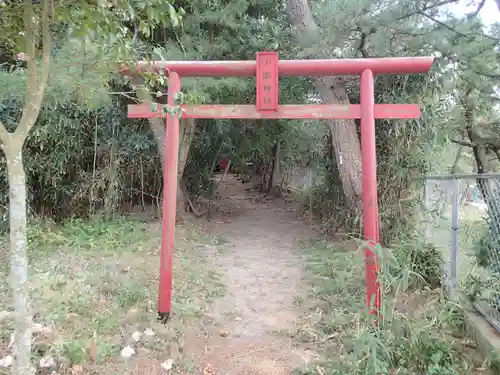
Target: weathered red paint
column 367, row 111
column 369, row 182
column 169, row 201
column 266, row 81
column 317, row 68
column 317, row 111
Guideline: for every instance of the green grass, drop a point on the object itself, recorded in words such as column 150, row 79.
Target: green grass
column 422, row 332
column 94, row 283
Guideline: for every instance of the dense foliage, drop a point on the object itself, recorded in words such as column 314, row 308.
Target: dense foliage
column 79, row 158
column 110, row 161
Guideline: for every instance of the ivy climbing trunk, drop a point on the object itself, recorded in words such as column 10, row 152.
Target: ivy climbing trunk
column 18, row 256
column 345, row 141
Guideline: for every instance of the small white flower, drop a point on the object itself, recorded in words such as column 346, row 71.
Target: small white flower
column 6, row 361
column 21, row 56
column 47, row 362
column 127, row 352
column 149, row 332
column 167, row 365
column 136, row 336
column 22, row 33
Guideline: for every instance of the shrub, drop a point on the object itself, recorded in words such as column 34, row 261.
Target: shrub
column 423, row 260
column 79, row 159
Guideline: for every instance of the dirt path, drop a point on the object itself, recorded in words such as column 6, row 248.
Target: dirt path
column 263, row 276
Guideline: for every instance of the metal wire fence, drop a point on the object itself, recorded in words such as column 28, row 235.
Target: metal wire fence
column 462, row 219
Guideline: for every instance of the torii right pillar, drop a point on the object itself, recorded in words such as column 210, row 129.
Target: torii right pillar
column 369, row 185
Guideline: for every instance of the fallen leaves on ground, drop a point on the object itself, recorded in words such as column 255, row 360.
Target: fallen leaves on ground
column 209, row 370
column 224, row 333
column 76, row 370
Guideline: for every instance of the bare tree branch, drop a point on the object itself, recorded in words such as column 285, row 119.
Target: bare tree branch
column 30, row 55
column 468, row 37
column 425, row 8
column 362, row 46
column 468, row 65
column 480, row 89
column 363, row 41
column 412, row 13
column 4, row 134
column 36, row 86
column 497, row 154
column 462, row 143
column 478, row 9
column 490, row 143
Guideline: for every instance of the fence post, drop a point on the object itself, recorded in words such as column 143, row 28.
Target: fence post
column 455, row 203
column 426, row 219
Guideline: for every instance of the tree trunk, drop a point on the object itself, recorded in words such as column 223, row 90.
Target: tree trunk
column 187, row 127
column 275, row 179
column 12, row 144
column 454, row 167
column 346, row 145
column 18, row 256
column 272, row 164
column 157, row 125
column 478, row 149
column 345, row 142
column 186, row 131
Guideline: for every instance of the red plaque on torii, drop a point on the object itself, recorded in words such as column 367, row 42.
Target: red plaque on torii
column 266, row 78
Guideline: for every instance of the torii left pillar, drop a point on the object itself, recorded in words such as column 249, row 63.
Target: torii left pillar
column 169, row 200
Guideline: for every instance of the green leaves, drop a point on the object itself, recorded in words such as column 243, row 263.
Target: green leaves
column 174, row 17
column 108, row 29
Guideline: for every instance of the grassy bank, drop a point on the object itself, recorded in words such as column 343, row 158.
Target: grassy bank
column 423, row 332
column 94, row 288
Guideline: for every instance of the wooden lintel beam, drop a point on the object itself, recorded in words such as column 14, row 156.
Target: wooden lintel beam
column 306, row 111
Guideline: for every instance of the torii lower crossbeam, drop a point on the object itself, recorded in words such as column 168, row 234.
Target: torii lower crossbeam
column 295, row 112
column 266, row 69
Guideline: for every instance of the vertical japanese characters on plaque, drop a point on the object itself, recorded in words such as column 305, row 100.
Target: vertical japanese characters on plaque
column 267, row 81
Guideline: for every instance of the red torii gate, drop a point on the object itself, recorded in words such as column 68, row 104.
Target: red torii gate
column 267, row 68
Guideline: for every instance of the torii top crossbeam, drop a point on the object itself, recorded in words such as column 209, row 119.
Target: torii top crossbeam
column 316, row 68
